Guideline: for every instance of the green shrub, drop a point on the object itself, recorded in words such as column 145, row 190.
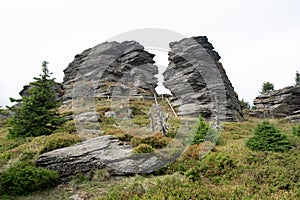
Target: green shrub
column 25, row 177
column 141, row 120
column 201, row 131
column 142, row 148
column 60, row 141
column 157, row 141
column 214, row 164
column 69, row 127
column 296, row 130
column 268, row 138
column 124, row 137
column 192, row 152
column 193, row 174
column 280, row 171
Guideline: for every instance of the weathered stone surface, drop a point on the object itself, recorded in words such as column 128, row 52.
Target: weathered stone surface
column 88, row 117
column 199, row 82
column 279, row 103
column 101, row 152
column 111, row 69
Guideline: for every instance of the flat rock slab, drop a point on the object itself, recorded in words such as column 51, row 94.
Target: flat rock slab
column 101, row 152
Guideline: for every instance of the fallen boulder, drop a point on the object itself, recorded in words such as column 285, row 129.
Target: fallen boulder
column 101, row 152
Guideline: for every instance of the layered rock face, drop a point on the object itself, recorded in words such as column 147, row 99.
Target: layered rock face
column 279, row 103
column 111, row 69
column 198, row 81
column 101, row 152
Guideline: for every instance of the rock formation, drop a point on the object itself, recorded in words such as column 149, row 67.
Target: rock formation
column 111, row 69
column 279, row 103
column 101, row 152
column 194, row 76
column 199, row 82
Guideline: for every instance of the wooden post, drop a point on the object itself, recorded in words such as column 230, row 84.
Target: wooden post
column 171, row 107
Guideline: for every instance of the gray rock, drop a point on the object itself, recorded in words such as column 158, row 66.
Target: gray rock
column 87, row 124
column 88, row 117
column 76, row 197
column 111, row 69
column 109, row 114
column 101, row 152
column 279, row 104
column 198, row 81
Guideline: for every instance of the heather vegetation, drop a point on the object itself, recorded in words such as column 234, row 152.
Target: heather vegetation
column 252, row 159
column 241, row 164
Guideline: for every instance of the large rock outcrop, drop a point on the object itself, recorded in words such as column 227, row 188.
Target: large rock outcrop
column 199, row 82
column 111, row 69
column 101, row 152
column 279, row 104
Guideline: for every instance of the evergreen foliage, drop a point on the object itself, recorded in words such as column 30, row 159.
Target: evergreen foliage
column 267, row 87
column 296, row 130
column 24, row 178
column 268, row 138
column 201, row 132
column 214, row 164
column 244, row 105
column 37, row 113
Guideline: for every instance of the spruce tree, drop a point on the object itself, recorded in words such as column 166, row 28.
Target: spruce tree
column 201, row 131
column 38, row 112
column 267, row 87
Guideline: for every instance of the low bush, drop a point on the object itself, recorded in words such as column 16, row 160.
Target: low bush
column 192, row 152
column 268, row 138
column 142, row 148
column 25, row 177
column 124, row 137
column 296, row 130
column 214, row 164
column 141, row 120
column 157, row 141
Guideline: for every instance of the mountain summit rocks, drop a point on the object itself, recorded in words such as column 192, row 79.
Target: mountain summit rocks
column 198, row 81
column 195, row 77
column 111, row 69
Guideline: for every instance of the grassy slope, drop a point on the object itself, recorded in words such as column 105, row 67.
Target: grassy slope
column 257, row 175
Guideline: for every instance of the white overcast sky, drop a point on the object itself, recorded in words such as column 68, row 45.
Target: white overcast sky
column 258, row 40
